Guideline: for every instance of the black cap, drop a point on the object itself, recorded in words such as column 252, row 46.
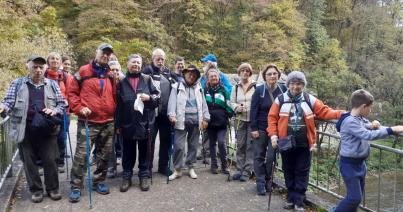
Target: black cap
column 105, row 46
column 192, row 68
column 37, row 59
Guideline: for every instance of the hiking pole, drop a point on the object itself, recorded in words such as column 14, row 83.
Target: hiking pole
column 170, row 150
column 65, row 142
column 68, row 137
column 149, row 140
column 203, row 149
column 273, row 167
column 88, row 163
column 230, row 160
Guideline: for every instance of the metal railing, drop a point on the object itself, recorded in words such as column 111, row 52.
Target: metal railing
column 8, row 151
column 384, row 177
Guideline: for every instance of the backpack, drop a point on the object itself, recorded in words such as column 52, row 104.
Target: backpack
column 306, row 99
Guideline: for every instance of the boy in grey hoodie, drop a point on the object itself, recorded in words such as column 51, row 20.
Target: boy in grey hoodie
column 355, row 133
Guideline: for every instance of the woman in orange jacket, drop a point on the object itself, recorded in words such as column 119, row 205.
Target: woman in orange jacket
column 292, row 118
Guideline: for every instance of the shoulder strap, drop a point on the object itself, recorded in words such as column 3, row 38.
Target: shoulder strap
column 308, row 100
column 236, row 91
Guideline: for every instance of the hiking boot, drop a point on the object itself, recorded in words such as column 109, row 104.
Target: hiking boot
column 126, row 183
column 225, row 170
column 37, row 197
column 244, row 178
column 299, row 208
column 101, row 188
column 288, row 205
column 177, row 174
column 236, row 176
column 192, row 174
column 144, row 184
column 261, row 190
column 54, row 195
column 214, row 170
column 74, row 195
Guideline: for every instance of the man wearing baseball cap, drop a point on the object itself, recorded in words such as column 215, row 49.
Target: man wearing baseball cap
column 36, row 96
column 92, row 98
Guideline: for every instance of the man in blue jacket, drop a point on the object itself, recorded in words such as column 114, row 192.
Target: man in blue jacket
column 208, row 61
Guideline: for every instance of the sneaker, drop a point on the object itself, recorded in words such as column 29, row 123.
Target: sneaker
column 199, row 157
column 118, row 161
column 288, row 205
column 37, row 197
column 261, row 190
column 214, row 170
column 101, row 188
column 54, row 195
column 40, row 171
column 299, row 208
column 126, row 183
column 60, row 168
column 111, row 173
column 192, row 174
column 74, row 195
column 177, row 174
column 144, row 184
column 244, row 178
column 236, row 176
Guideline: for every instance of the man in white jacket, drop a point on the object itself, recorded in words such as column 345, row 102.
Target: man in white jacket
column 187, row 109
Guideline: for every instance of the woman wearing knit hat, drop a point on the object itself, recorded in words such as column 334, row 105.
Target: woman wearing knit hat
column 218, row 102
column 241, row 97
column 262, row 100
column 296, row 126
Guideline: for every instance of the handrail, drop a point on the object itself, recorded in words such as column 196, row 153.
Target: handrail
column 328, row 158
column 8, row 151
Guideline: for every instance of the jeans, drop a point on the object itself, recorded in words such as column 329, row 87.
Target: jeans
column 353, row 173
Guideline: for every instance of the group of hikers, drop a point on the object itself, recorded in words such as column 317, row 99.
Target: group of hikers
column 181, row 106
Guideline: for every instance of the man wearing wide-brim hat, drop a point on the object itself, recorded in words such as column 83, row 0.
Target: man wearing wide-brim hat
column 187, row 110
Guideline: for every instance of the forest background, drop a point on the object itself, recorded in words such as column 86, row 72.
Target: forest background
column 341, row 45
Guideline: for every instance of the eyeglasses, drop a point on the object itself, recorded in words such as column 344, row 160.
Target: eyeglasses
column 272, row 74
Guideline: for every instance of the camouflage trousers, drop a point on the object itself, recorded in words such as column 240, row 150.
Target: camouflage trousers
column 100, row 135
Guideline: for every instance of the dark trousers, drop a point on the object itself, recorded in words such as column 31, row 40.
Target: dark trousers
column 217, row 135
column 61, row 142
column 163, row 126
column 263, row 158
column 353, row 174
column 45, row 148
column 129, row 158
column 296, row 165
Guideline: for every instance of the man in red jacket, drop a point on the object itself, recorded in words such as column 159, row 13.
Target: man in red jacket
column 92, row 98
